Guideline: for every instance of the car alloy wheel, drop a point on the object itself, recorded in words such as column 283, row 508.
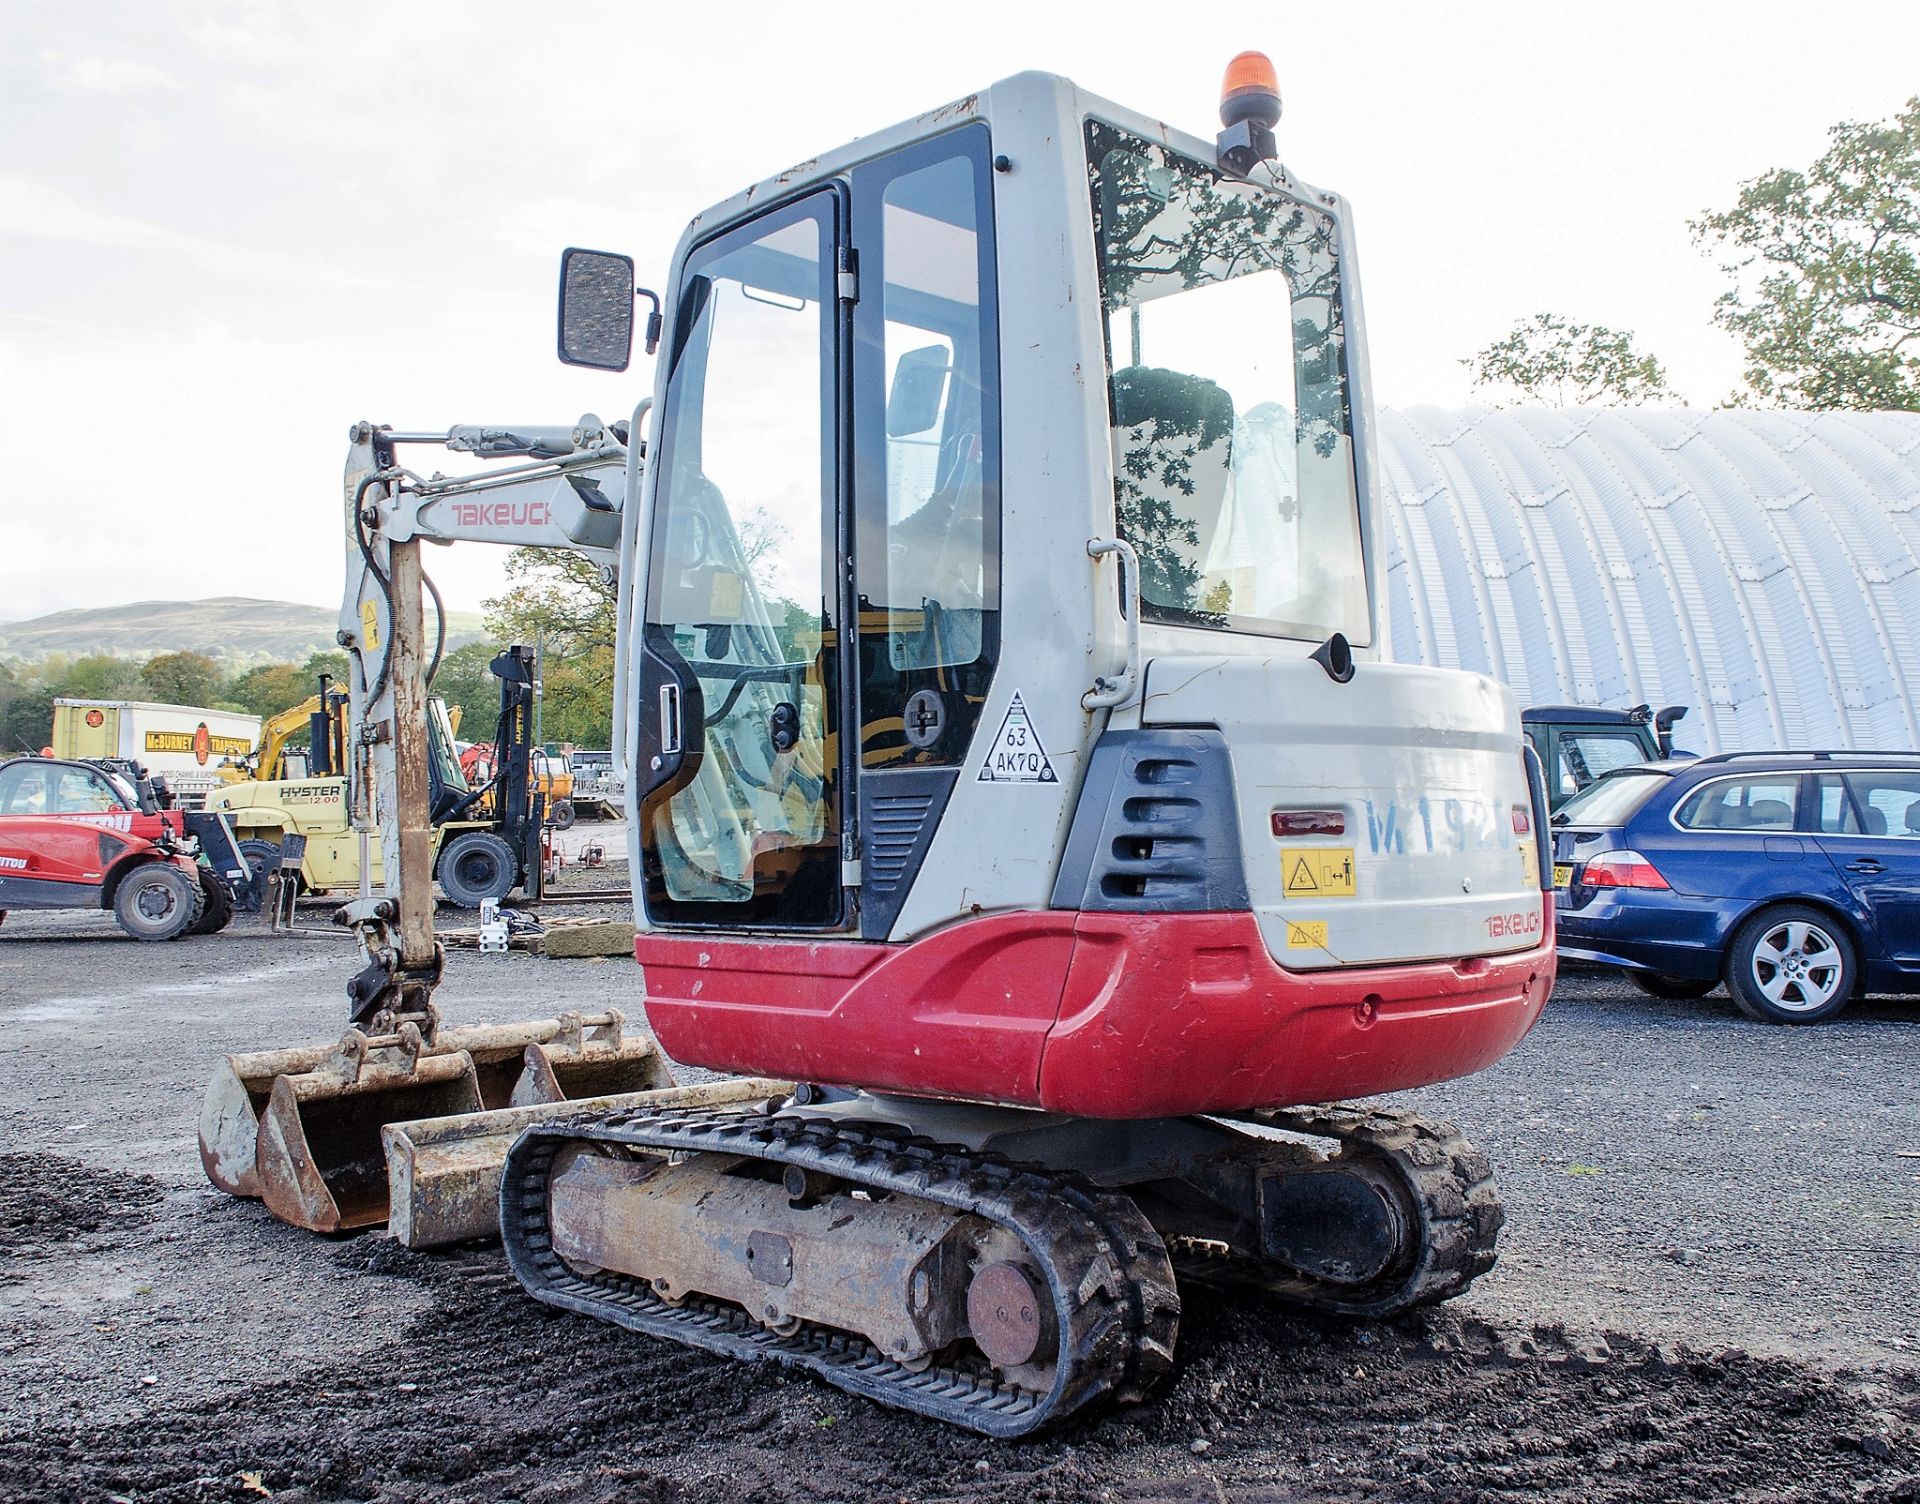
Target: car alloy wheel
column 1797, row 966
column 1791, row 965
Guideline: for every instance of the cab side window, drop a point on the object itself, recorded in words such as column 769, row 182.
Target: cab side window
column 1597, row 752
column 23, row 789
column 79, row 792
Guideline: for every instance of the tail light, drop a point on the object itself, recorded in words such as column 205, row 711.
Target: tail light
column 1309, row 822
column 1621, row 869
column 1522, row 821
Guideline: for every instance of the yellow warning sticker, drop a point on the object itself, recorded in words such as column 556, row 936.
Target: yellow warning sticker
column 1317, row 871
column 1529, row 865
column 369, row 627
column 1309, row 936
column 723, row 595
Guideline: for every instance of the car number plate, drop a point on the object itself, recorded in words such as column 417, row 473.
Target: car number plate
column 1563, row 874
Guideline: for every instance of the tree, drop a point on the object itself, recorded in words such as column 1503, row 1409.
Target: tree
column 466, row 681
column 560, row 601
column 182, row 678
column 98, row 676
column 330, row 661
column 1826, row 269
column 1550, row 360
column 27, row 721
column 270, row 688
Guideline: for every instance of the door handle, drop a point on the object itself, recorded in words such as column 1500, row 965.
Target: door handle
column 1866, row 867
column 670, row 730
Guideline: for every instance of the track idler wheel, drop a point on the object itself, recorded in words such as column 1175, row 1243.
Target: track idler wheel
column 1005, row 1314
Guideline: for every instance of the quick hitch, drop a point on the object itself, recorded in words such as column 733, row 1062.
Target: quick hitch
column 386, row 993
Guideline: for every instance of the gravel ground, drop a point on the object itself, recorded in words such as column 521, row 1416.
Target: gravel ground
column 1709, row 1288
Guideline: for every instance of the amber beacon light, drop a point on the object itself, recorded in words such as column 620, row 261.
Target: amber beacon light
column 1249, row 109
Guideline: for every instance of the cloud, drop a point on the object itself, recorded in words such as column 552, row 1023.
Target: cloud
column 106, row 75
column 42, row 211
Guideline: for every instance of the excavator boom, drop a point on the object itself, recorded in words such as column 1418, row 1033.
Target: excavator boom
column 302, row 1128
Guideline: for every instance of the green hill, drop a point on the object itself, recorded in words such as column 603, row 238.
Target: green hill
column 233, row 629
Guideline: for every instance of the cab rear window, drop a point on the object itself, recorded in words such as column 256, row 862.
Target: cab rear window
column 1609, row 800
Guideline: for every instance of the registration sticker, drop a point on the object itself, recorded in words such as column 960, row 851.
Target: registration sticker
column 1309, row 936
column 1563, row 874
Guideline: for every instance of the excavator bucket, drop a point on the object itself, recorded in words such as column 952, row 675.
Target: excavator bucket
column 300, row 1128
column 443, row 1174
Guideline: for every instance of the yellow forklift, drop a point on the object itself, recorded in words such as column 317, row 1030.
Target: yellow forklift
column 486, row 832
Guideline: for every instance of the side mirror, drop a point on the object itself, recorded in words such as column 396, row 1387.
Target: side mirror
column 919, row 387
column 596, row 309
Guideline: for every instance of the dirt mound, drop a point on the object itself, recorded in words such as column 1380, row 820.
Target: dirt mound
column 491, row 1396
column 47, row 1199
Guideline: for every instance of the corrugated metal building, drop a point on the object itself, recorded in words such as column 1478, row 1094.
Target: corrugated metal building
column 1762, row 568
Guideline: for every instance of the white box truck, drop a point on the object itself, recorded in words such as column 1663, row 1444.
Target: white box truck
column 185, row 744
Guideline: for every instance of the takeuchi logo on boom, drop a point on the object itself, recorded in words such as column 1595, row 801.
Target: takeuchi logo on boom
column 502, row 514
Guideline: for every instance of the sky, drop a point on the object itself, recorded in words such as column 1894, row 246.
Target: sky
column 229, row 230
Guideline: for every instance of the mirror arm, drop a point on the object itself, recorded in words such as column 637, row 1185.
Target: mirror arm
column 655, row 323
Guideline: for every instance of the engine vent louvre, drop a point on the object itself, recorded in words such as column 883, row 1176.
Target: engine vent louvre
column 1157, row 828
column 893, row 831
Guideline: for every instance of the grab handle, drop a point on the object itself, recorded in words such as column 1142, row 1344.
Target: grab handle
column 1110, row 691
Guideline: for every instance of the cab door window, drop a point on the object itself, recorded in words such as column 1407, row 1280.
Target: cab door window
column 80, row 792
column 927, row 493
column 742, row 589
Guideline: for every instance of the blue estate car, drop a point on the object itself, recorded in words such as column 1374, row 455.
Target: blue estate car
column 1794, row 877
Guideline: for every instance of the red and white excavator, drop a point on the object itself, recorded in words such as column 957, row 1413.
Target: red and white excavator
column 1016, row 775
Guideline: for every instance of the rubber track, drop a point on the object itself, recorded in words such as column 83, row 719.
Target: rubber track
column 1447, row 1188
column 1115, row 1302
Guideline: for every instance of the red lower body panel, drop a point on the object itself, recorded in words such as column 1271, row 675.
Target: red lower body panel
column 1093, row 1015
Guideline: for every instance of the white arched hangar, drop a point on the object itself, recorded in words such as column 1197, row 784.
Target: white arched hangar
column 1761, row 568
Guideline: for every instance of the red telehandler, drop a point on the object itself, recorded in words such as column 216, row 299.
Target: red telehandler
column 92, row 834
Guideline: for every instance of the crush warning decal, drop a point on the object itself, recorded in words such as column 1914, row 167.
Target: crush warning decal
column 1317, row 871
column 1016, row 755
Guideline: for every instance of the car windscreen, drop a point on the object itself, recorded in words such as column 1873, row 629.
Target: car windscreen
column 1609, row 800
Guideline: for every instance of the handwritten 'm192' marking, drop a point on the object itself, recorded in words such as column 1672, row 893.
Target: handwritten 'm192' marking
column 1437, row 825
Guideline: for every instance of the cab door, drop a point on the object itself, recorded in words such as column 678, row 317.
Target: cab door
column 926, row 502
column 738, row 778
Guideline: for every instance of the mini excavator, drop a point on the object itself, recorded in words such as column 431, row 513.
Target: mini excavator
column 1017, row 777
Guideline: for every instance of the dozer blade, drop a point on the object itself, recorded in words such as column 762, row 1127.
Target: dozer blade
column 443, row 1174
column 300, row 1128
